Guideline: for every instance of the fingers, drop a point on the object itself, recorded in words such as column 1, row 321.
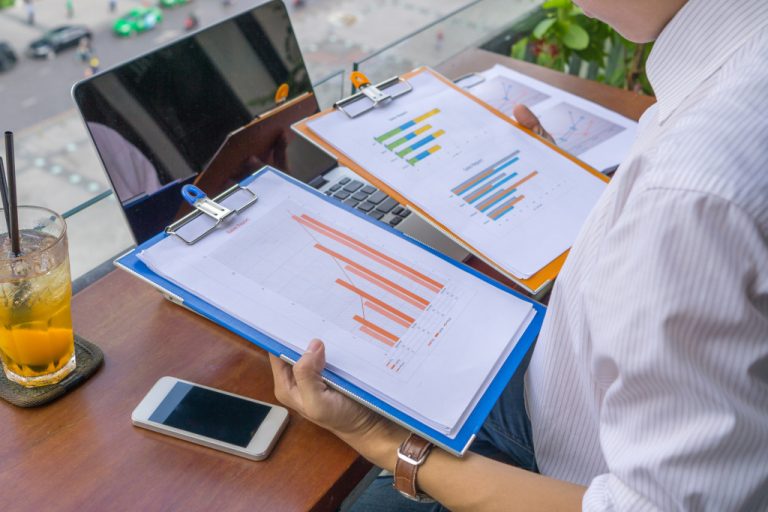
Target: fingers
column 285, row 383
column 307, row 373
column 526, row 118
column 529, row 120
column 299, row 387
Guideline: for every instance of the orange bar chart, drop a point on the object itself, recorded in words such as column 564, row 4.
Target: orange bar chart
column 405, row 322
column 389, row 286
column 382, row 333
column 370, row 252
column 378, row 302
column 376, row 278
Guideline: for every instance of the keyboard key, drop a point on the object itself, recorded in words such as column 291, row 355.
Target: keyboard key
column 335, row 187
column 387, row 205
column 405, row 213
column 366, row 206
column 341, row 194
column 376, row 214
column 360, row 195
column 344, row 181
column 377, row 197
column 352, row 202
column 397, row 210
column 353, row 186
column 394, row 221
column 369, row 189
column 317, row 182
column 329, row 192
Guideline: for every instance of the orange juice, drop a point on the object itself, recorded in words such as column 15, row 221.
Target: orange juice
column 36, row 340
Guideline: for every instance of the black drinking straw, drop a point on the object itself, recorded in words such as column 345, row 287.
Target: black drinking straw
column 4, row 193
column 12, row 205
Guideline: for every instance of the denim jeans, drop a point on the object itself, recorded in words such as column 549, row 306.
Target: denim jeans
column 505, row 436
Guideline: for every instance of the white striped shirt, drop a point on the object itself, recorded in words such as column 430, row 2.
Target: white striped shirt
column 649, row 382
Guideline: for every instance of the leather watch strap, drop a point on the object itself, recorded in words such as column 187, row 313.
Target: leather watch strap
column 410, row 456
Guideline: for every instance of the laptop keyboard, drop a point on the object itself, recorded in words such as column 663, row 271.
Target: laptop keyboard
column 368, row 199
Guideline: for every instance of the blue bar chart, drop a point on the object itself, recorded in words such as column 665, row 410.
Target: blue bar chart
column 494, row 191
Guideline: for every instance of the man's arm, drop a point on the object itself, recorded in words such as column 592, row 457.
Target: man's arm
column 677, row 306
column 471, row 483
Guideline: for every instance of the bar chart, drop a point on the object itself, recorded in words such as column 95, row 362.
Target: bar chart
column 392, row 304
column 413, row 140
column 495, row 191
column 320, row 273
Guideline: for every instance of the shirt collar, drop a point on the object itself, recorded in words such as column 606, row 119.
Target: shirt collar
column 696, row 43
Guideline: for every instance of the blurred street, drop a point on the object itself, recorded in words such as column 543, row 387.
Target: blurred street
column 56, row 163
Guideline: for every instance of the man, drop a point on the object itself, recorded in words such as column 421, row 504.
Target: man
column 648, row 387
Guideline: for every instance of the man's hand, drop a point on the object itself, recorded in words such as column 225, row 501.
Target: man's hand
column 301, row 388
column 528, row 119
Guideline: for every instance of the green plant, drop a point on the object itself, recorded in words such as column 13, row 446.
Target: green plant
column 569, row 41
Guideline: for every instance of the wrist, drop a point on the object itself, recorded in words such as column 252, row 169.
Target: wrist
column 379, row 443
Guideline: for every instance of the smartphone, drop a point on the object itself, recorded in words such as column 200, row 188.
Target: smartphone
column 210, row 417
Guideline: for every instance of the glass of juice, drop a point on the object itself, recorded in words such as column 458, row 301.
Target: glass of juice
column 36, row 341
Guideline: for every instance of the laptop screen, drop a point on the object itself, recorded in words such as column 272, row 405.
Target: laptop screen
column 207, row 109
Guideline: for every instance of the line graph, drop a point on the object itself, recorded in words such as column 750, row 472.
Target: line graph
column 504, row 93
column 576, row 130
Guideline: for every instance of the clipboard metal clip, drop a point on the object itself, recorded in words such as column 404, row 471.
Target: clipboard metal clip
column 371, row 96
column 211, row 208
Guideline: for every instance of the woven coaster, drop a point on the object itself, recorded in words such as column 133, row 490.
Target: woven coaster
column 89, row 357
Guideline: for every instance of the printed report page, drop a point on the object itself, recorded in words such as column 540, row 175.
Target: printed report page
column 400, row 322
column 598, row 136
column 505, row 193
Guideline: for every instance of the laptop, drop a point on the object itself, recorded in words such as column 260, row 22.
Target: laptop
column 210, row 109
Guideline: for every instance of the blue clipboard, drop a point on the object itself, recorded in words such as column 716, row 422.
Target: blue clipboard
column 457, row 445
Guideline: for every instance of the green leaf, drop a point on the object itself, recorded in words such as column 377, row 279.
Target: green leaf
column 556, row 4
column 543, row 27
column 520, row 48
column 575, row 37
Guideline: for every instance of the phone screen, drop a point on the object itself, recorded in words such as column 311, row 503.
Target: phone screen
column 210, row 414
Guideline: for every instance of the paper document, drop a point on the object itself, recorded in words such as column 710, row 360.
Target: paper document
column 512, row 198
column 416, row 331
column 600, row 137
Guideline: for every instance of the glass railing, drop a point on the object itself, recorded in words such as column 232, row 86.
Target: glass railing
column 97, row 231
column 470, row 26
column 97, row 228
column 330, row 89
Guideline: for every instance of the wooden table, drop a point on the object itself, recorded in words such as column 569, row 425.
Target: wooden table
column 82, row 453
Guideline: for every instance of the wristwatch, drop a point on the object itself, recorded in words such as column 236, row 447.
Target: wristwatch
column 411, row 454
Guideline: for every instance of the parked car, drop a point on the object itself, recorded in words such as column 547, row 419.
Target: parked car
column 58, row 39
column 7, row 56
column 168, row 4
column 139, row 19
